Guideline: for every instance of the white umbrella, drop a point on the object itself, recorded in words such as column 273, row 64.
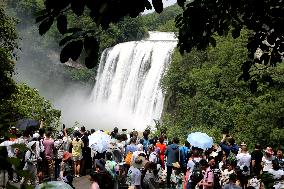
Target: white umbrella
column 200, row 140
column 99, row 141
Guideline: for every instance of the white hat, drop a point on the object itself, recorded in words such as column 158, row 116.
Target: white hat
column 36, row 135
column 76, row 129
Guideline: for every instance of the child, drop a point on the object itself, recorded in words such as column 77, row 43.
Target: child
column 66, row 169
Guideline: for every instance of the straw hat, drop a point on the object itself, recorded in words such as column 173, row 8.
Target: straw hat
column 66, row 156
column 139, row 162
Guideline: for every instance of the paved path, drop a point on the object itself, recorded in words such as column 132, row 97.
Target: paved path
column 79, row 183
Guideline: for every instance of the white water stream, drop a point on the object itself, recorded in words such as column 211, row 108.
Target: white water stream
column 127, row 93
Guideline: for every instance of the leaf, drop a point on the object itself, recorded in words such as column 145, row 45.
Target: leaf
column 41, row 18
column 181, row 3
column 91, row 45
column 66, row 39
column 62, row 24
column 158, row 5
column 45, row 25
column 21, row 147
column 71, row 50
column 78, row 6
column 14, row 161
column 91, row 62
column 73, row 30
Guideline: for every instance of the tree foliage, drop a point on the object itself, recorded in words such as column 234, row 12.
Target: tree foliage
column 203, row 94
column 197, row 24
column 202, row 19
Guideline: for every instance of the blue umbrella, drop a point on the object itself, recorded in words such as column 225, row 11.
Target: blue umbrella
column 25, row 124
column 200, row 140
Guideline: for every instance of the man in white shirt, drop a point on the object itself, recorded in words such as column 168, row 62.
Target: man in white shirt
column 243, row 160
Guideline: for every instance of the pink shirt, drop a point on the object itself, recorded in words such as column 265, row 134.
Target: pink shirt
column 48, row 146
column 208, row 178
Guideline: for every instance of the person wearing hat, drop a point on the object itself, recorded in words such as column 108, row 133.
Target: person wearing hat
column 267, row 159
column 104, row 178
column 134, row 173
column 31, row 159
column 66, row 172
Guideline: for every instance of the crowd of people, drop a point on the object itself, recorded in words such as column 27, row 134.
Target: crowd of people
column 135, row 160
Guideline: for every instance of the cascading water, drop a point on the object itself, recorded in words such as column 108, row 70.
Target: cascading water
column 127, row 93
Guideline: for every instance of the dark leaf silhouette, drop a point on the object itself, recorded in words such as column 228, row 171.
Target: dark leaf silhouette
column 91, row 62
column 158, row 5
column 45, row 25
column 181, row 3
column 62, row 24
column 41, row 18
column 71, row 50
column 65, row 40
column 91, row 45
column 78, row 6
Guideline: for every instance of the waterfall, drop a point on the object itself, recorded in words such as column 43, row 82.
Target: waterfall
column 127, row 93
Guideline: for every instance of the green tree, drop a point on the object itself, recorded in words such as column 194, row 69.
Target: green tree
column 203, row 94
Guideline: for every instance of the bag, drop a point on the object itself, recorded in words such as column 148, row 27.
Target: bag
column 128, row 158
column 196, row 175
column 183, row 152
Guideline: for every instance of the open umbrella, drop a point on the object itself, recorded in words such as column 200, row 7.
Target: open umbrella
column 200, row 140
column 54, row 185
column 25, row 124
column 99, row 141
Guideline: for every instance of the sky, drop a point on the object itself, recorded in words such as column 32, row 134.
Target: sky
column 166, row 4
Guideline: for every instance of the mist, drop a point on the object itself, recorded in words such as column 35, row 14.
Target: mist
column 38, row 66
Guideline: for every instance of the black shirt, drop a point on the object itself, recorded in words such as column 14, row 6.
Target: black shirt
column 257, row 156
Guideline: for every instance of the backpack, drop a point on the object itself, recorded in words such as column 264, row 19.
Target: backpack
column 128, row 158
column 216, row 182
column 196, row 175
column 183, row 155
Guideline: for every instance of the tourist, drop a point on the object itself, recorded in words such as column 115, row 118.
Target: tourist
column 104, row 178
column 134, row 173
column 244, row 160
column 31, row 159
column 226, row 173
column 232, row 182
column 48, row 144
column 280, row 157
column 208, row 180
column 58, row 154
column 256, row 159
column 228, row 145
column 162, row 146
column 145, row 141
column 184, row 156
column 191, row 164
column 77, row 145
column 86, row 152
column 66, row 172
column 267, row 159
column 172, row 154
column 114, row 133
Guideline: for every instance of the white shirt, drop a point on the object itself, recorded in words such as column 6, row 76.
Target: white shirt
column 243, row 159
column 267, row 162
column 8, row 145
column 153, row 157
column 134, row 176
column 277, row 174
